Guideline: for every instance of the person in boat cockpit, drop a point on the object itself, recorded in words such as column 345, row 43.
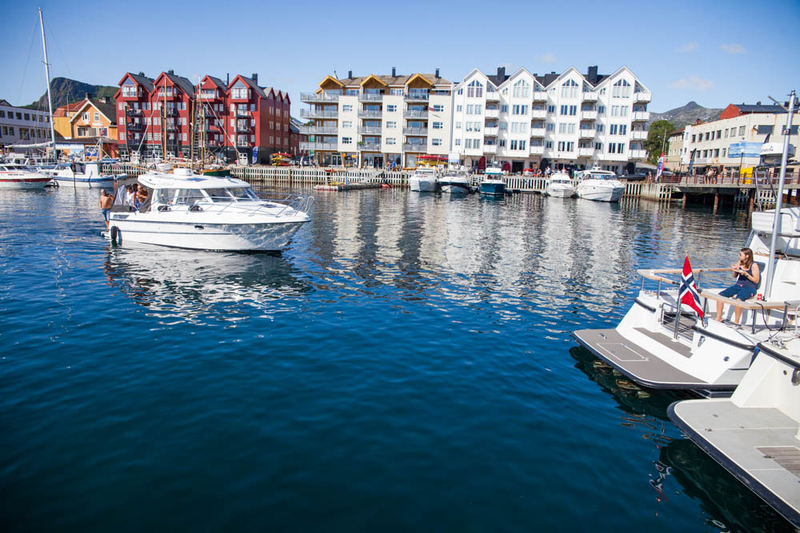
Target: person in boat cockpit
column 747, row 278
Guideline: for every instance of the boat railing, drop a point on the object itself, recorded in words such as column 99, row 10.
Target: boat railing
column 706, row 294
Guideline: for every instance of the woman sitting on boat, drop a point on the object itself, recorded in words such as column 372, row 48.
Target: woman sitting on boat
column 747, row 278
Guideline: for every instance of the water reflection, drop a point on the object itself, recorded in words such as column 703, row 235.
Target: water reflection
column 195, row 287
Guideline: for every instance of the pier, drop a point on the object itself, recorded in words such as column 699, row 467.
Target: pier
column 758, row 189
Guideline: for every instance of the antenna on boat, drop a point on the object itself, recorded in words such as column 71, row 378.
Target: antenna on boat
column 47, row 73
column 776, row 224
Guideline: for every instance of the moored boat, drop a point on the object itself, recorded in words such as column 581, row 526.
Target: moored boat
column 187, row 210
column 84, row 175
column 755, row 434
column 424, row 179
column 600, row 186
column 455, row 183
column 492, row 187
column 660, row 345
column 16, row 176
column 560, row 186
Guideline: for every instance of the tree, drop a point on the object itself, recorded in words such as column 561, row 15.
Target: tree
column 658, row 131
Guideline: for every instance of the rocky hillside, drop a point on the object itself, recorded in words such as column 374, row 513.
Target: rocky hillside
column 688, row 114
column 66, row 91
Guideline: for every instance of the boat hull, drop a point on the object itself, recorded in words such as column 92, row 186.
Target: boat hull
column 84, row 183
column 255, row 237
column 456, row 187
column 493, row 188
column 600, row 193
column 560, row 192
column 422, row 184
column 24, row 183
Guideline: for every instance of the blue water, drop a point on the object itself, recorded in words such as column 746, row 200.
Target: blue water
column 406, row 365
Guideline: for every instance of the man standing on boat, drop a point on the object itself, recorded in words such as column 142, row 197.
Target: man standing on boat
column 106, row 200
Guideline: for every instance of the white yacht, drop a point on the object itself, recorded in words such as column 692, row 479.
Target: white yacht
column 16, row 176
column 560, row 186
column 187, row 210
column 83, row 175
column 455, row 183
column 659, row 347
column 600, row 185
column 755, row 434
column 423, row 179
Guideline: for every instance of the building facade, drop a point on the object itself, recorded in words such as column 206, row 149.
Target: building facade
column 237, row 120
column 378, row 120
column 555, row 120
column 733, row 141
column 20, row 126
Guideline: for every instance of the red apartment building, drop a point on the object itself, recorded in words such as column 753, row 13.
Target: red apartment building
column 241, row 120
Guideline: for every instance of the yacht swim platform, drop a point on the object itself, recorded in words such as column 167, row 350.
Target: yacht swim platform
column 638, row 364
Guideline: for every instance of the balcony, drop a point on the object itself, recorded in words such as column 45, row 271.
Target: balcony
column 314, row 98
column 172, row 112
column 133, row 112
column 313, row 113
column 642, row 97
column 588, row 115
column 492, row 112
column 318, row 146
column 415, row 113
column 491, row 131
column 415, row 147
column 539, row 96
column 242, row 112
column 637, row 154
column 538, row 114
column 369, row 130
column 585, row 152
column 370, row 113
column 421, row 132
column 589, row 97
column 416, row 97
column 639, row 116
column 639, row 135
column 489, row 148
column 537, row 133
column 241, row 128
column 364, row 97
column 493, row 96
column 537, row 150
column 134, row 126
column 586, row 133
column 369, row 147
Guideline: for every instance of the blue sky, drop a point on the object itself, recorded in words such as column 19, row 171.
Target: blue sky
column 709, row 52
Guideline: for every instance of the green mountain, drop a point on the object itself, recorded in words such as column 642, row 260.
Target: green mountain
column 66, row 91
column 688, row 114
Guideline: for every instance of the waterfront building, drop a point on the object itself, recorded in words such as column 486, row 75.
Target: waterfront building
column 534, row 121
column 378, row 120
column 672, row 158
column 20, row 126
column 241, row 120
column 61, row 116
column 82, row 126
column 733, row 141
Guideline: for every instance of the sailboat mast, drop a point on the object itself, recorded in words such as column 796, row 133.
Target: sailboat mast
column 47, row 73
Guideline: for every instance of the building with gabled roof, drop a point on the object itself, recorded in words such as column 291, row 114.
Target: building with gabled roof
column 567, row 120
column 378, row 120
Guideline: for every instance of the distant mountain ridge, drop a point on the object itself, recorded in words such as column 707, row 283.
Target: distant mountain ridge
column 688, row 114
column 66, row 91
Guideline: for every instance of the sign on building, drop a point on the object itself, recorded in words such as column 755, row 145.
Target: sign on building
column 745, row 149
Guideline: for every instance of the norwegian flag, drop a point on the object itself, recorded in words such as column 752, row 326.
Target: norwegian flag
column 660, row 166
column 688, row 294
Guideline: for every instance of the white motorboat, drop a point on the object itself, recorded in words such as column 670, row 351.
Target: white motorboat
column 187, row 210
column 659, row 345
column 16, row 176
column 424, row 179
column 84, row 175
column 455, row 183
column 755, row 434
column 600, row 186
column 560, row 186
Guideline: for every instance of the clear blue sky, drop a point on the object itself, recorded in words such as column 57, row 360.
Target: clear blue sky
column 713, row 53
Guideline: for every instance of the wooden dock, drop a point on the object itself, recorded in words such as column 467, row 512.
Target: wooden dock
column 754, row 190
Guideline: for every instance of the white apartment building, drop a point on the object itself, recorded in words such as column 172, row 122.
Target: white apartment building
column 378, row 120
column 556, row 120
column 734, row 140
column 20, row 126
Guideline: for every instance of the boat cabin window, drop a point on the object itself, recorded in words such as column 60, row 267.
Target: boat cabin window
column 243, row 194
column 188, row 196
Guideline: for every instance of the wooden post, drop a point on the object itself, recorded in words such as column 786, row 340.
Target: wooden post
column 683, row 200
column 716, row 201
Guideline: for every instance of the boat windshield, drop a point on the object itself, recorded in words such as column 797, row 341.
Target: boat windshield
column 226, row 195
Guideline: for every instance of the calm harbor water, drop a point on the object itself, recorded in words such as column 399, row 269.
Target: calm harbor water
column 405, row 366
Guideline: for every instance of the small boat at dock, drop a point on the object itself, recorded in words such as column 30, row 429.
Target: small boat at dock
column 455, row 183
column 83, row 175
column 600, row 186
column 560, row 186
column 424, row 179
column 16, row 176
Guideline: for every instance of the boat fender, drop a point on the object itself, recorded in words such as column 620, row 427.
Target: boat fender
column 116, row 238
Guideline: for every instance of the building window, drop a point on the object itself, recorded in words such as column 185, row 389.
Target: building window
column 347, row 140
column 438, row 108
column 458, row 125
column 436, row 142
column 548, row 144
column 569, row 89
column 620, row 148
column 621, row 89
column 502, row 143
column 459, row 108
column 504, row 108
column 347, row 108
column 598, row 146
column 601, row 110
column 551, row 126
column 522, row 89
column 345, row 124
column 519, row 110
column 458, row 142
column 475, row 89
column 437, row 126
